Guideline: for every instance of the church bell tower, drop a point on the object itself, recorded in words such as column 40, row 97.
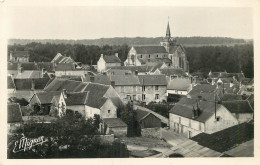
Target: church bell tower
column 168, row 40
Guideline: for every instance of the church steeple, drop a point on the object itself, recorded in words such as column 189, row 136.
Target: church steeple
column 168, row 32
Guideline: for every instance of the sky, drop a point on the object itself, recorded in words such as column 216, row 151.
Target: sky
column 85, row 22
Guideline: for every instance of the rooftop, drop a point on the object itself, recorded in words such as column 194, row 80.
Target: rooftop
column 184, row 108
column 114, row 122
column 111, row 59
column 152, row 80
column 181, row 84
column 149, row 49
column 238, row 106
column 226, row 139
column 14, row 113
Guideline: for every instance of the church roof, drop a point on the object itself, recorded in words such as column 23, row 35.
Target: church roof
column 149, row 49
column 168, row 32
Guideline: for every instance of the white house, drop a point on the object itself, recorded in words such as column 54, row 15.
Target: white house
column 179, row 86
column 190, row 117
column 106, row 62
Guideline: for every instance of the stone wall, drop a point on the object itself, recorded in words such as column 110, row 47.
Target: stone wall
column 151, row 133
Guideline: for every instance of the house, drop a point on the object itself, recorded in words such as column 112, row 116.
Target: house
column 19, row 56
column 190, row 117
column 42, row 103
column 14, row 68
column 100, row 79
column 113, row 126
column 14, row 117
column 127, row 86
column 32, row 74
column 179, row 86
column 106, row 61
column 241, row 109
column 206, row 91
column 171, row 73
column 88, row 104
column 112, row 71
column 69, row 69
column 136, row 70
column 146, row 119
column 227, row 139
column 25, row 88
column 59, row 59
column 169, row 52
column 154, row 88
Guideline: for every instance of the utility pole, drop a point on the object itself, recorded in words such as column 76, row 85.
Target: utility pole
column 215, row 106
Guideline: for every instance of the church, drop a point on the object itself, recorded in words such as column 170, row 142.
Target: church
column 169, row 52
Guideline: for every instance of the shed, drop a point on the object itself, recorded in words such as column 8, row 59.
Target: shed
column 147, row 119
column 113, row 126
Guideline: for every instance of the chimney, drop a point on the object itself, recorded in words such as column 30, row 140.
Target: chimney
column 92, row 79
column 113, row 84
column 136, row 72
column 33, row 85
column 65, row 93
column 210, row 73
column 198, row 109
column 101, row 56
column 116, row 54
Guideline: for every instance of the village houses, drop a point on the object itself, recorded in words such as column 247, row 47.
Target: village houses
column 19, row 56
column 106, row 61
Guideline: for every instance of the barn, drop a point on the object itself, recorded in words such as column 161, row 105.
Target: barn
column 147, row 120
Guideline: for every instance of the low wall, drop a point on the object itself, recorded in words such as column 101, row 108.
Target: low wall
column 151, row 133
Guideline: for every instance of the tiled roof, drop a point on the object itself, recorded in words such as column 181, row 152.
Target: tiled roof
column 114, row 122
column 46, row 97
column 226, row 139
column 59, row 58
column 77, row 98
column 29, row 74
column 173, row 71
column 125, row 80
column 14, row 113
column 70, row 77
column 10, row 83
column 101, row 79
column 29, row 66
column 134, row 68
column 231, row 97
column 149, row 49
column 119, row 72
column 111, row 59
column 181, row 84
column 202, row 88
column 154, row 60
column 12, row 66
column 152, row 80
column 246, row 81
column 140, row 114
column 239, row 106
column 45, row 65
column 65, row 66
column 20, row 54
column 117, row 102
column 26, row 84
column 60, row 84
column 97, row 92
column 184, row 108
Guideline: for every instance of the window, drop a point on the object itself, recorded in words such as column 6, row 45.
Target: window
column 189, row 123
column 141, row 56
column 108, row 111
column 143, row 97
column 128, row 97
column 173, row 77
column 200, row 126
column 156, row 96
column 157, row 56
column 143, row 88
column 149, row 56
column 134, row 97
column 218, row 118
column 156, row 87
column 180, row 120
